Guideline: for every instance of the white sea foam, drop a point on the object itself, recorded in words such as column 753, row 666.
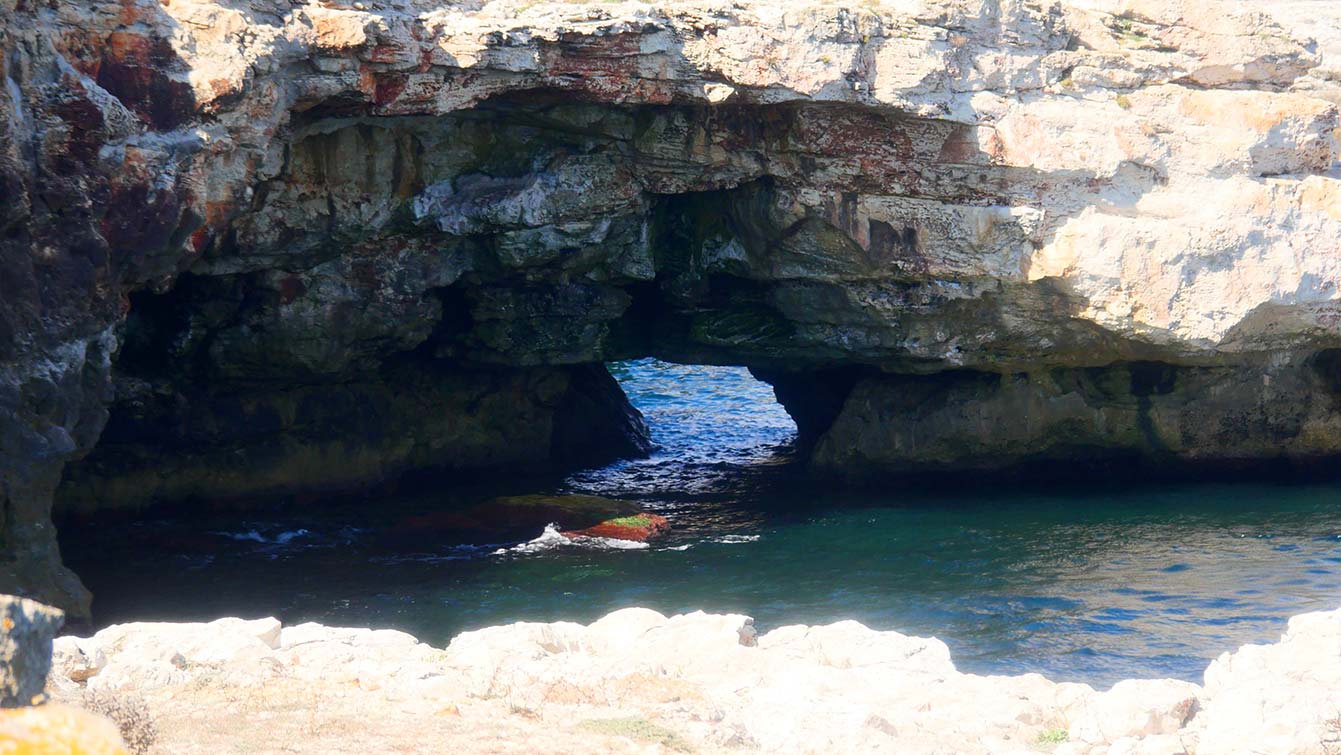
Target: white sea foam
column 283, row 538
column 551, row 538
column 609, row 543
column 733, row 539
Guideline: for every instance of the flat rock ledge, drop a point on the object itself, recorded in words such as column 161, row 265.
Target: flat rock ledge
column 637, row 681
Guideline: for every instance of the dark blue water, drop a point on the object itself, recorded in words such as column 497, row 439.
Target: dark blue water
column 1093, row 585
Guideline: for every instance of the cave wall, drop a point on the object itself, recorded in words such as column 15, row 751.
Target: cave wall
column 1130, row 420
column 251, row 228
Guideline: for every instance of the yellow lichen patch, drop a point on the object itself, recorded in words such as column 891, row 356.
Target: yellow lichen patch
column 1319, row 194
column 57, row 730
column 335, row 29
column 7, row 624
column 1259, row 112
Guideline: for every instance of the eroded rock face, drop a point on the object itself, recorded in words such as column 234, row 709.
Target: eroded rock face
column 167, row 445
column 1150, row 413
column 244, row 225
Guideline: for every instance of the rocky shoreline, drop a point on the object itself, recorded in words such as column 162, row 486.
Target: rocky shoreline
column 638, row 681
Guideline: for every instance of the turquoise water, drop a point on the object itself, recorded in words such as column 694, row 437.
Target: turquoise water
column 1083, row 585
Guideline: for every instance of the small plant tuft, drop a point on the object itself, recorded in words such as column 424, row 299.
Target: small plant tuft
column 1052, row 736
column 1331, row 735
column 129, row 713
column 637, row 728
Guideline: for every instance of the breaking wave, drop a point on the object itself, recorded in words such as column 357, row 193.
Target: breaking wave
column 552, row 538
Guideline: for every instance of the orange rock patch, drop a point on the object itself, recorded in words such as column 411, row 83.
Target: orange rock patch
column 621, row 529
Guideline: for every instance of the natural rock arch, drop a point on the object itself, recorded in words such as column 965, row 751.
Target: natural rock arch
column 379, row 239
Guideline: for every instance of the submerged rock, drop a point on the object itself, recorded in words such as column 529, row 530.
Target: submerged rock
column 638, row 527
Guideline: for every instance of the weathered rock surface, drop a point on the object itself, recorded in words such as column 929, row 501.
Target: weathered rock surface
column 1144, row 412
column 248, row 227
column 637, row 681
column 26, row 631
column 1276, row 698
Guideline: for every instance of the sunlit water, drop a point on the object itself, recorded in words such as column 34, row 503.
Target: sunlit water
column 1090, row 585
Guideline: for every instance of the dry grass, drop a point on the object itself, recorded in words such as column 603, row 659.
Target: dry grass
column 286, row 716
column 129, row 713
column 638, row 729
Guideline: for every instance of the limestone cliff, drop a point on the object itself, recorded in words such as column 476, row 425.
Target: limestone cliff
column 293, row 244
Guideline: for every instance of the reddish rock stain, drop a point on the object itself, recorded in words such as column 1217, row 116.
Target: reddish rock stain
column 656, row 525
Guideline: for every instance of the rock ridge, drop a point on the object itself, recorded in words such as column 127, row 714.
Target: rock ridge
column 639, row 681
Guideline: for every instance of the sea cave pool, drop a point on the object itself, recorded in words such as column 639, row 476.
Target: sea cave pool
column 1089, row 584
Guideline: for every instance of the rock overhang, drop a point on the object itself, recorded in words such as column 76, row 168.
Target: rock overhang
column 303, row 197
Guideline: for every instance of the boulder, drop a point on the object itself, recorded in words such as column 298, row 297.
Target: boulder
column 148, row 656
column 77, row 658
column 691, row 681
column 1157, row 744
column 1136, row 708
column 1276, row 699
column 638, row 527
column 26, row 632
column 58, row 730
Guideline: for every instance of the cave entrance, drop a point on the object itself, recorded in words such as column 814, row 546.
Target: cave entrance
column 708, row 424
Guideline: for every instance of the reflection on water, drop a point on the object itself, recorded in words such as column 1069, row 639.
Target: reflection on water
column 1088, row 586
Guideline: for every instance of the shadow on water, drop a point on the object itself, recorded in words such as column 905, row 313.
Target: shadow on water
column 1079, row 584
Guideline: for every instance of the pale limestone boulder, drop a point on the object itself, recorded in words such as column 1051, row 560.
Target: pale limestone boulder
column 489, row 659
column 381, row 659
column 1276, row 699
column 850, row 644
column 697, row 643
column 825, row 689
column 148, row 656
column 290, row 638
column 841, row 687
column 616, row 632
column 1157, row 744
column 58, row 730
column 77, row 658
column 1136, row 708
